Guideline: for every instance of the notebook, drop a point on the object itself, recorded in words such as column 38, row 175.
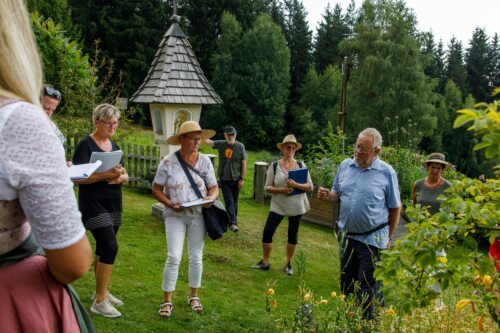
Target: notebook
column 300, row 176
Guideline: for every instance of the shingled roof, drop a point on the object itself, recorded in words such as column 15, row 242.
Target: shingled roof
column 175, row 76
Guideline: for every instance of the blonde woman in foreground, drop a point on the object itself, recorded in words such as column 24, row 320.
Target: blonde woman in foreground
column 37, row 205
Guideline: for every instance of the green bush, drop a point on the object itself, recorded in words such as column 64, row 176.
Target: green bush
column 443, row 248
column 67, row 68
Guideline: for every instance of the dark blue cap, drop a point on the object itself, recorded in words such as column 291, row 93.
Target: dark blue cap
column 230, row 130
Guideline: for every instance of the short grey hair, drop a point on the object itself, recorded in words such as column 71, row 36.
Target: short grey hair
column 375, row 134
column 105, row 111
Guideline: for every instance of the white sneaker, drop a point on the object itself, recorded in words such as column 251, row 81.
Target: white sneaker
column 234, row 228
column 105, row 308
column 112, row 299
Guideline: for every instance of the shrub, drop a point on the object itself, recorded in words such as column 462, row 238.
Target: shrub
column 443, row 248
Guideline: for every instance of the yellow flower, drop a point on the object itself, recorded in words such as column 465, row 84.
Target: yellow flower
column 342, row 297
column 478, row 279
column 270, row 291
column 487, row 281
column 307, row 297
column 334, row 294
column 462, row 304
column 323, row 301
column 274, row 303
column 480, row 323
column 390, row 312
column 442, row 260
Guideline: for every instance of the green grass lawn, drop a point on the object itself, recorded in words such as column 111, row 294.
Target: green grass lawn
column 232, row 293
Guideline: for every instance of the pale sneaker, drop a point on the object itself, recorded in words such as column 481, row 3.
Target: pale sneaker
column 105, row 308
column 112, row 299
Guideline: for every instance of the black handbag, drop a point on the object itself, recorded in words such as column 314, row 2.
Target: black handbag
column 215, row 216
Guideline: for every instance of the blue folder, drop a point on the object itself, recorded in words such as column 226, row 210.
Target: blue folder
column 300, row 176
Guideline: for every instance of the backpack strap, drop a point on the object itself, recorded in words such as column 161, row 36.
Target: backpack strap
column 275, row 165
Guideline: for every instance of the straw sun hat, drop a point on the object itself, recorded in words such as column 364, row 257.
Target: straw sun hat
column 188, row 127
column 436, row 158
column 290, row 138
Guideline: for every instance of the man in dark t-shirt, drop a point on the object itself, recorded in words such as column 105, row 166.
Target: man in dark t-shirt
column 231, row 171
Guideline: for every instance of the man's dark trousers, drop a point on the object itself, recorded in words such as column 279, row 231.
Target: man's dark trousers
column 357, row 265
column 231, row 194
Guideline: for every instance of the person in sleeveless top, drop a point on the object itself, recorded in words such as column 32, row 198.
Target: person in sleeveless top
column 43, row 245
column 426, row 191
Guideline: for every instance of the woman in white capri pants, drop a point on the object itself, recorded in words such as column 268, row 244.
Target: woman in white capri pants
column 172, row 188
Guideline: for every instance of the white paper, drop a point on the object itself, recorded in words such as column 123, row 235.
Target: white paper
column 195, row 203
column 108, row 159
column 83, row 171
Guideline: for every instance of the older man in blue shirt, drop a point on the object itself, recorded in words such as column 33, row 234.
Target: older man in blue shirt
column 367, row 189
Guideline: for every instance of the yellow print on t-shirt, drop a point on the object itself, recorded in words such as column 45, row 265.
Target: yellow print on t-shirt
column 229, row 153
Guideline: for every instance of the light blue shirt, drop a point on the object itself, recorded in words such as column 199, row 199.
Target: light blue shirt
column 365, row 198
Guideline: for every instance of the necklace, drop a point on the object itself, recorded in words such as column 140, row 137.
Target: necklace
column 432, row 184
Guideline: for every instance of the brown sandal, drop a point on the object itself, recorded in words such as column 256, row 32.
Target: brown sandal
column 198, row 308
column 165, row 313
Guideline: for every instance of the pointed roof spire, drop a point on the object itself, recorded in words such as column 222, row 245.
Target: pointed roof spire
column 175, row 76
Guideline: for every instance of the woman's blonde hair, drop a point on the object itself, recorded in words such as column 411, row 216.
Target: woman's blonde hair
column 105, row 111
column 20, row 66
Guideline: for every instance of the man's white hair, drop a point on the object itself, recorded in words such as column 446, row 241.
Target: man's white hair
column 375, row 134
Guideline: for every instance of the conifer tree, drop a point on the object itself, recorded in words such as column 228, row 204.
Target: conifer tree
column 331, row 31
column 478, row 65
column 388, row 87
column 455, row 69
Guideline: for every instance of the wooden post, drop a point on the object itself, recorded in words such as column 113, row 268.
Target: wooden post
column 343, row 93
column 259, row 180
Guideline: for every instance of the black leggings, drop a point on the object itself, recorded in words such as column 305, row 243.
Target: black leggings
column 272, row 223
column 106, row 246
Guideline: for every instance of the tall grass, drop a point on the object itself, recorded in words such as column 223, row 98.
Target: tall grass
column 232, row 292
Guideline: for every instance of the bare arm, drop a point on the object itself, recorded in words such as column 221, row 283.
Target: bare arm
column 393, row 223
column 327, row 195
column 213, row 192
column 303, row 187
column 279, row 190
column 243, row 173
column 122, row 178
column 161, row 197
column 108, row 175
column 71, row 263
column 208, row 142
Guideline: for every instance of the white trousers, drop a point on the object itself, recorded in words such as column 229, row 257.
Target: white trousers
column 177, row 227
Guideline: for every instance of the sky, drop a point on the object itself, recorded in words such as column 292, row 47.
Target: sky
column 445, row 18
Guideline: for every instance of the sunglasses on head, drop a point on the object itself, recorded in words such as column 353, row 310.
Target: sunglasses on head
column 52, row 92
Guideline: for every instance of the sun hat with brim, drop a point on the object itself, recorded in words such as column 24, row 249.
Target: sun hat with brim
column 436, row 158
column 290, row 138
column 189, row 127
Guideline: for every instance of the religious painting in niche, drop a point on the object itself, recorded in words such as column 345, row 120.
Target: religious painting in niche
column 180, row 116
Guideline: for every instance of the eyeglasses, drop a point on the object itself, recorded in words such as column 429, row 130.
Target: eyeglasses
column 52, row 92
column 364, row 149
column 110, row 123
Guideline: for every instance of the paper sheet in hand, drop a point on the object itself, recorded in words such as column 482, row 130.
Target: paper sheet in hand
column 83, row 171
column 195, row 203
column 300, row 176
column 108, row 160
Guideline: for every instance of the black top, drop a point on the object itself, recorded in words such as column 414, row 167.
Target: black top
column 101, row 197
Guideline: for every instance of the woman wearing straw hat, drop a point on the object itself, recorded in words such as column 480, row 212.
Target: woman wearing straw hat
column 427, row 190
column 294, row 206
column 172, row 188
